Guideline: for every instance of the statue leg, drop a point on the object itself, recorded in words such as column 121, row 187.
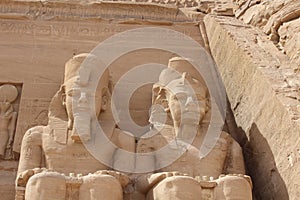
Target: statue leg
column 233, row 188
column 46, row 186
column 176, row 188
column 100, row 186
column 3, row 142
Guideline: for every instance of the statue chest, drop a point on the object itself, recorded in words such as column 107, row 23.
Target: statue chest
column 190, row 162
column 69, row 157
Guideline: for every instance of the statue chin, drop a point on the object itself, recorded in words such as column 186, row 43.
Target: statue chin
column 80, row 137
column 81, row 131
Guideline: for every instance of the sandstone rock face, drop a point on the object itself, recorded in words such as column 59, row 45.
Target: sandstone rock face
column 263, row 92
column 8, row 173
column 274, row 18
column 289, row 39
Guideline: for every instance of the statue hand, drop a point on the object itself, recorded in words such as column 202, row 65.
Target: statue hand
column 9, row 144
column 24, row 176
column 123, row 178
column 157, row 177
column 147, row 181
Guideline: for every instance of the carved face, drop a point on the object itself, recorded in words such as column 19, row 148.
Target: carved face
column 80, row 97
column 186, row 104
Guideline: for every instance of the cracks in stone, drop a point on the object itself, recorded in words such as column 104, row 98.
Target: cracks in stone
column 236, row 105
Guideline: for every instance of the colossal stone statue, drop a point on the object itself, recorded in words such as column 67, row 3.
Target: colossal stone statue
column 8, row 117
column 54, row 162
column 172, row 147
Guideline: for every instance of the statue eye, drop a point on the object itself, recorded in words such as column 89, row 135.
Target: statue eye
column 200, row 96
column 73, row 93
column 181, row 97
column 174, row 97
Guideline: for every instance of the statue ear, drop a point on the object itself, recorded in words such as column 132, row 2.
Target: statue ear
column 167, row 109
column 105, row 98
column 162, row 100
column 155, row 91
column 56, row 108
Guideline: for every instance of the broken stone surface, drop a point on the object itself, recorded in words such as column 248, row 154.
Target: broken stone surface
column 92, row 10
column 272, row 17
column 259, row 94
column 289, row 39
column 8, row 172
column 220, row 7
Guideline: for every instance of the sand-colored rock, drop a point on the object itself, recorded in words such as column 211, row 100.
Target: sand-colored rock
column 8, row 173
column 271, row 16
column 289, row 39
column 219, row 7
column 261, row 88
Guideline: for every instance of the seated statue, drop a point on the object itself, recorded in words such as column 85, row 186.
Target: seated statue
column 54, row 162
column 172, row 146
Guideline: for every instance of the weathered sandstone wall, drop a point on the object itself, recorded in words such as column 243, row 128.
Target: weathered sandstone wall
column 277, row 18
column 263, row 91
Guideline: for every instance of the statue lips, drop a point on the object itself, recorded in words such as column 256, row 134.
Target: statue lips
column 82, row 120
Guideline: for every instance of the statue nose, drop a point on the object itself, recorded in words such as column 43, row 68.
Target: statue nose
column 189, row 101
column 83, row 99
column 190, row 104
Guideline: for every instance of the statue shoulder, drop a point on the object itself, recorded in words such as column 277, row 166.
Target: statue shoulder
column 121, row 133
column 124, row 139
column 151, row 141
column 225, row 135
column 34, row 134
column 229, row 139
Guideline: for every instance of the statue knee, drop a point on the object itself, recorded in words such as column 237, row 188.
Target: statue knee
column 233, row 187
column 96, row 187
column 46, row 186
column 171, row 189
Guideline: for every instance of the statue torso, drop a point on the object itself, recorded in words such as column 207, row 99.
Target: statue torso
column 70, row 157
column 189, row 160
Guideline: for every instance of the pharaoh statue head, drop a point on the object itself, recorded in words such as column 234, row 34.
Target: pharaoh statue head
column 77, row 103
column 181, row 92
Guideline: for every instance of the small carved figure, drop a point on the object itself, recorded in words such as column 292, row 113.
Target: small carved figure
column 8, row 117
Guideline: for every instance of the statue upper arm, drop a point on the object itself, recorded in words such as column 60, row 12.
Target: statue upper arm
column 31, row 149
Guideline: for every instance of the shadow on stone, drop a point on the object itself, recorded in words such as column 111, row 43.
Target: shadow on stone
column 268, row 183
column 259, row 161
